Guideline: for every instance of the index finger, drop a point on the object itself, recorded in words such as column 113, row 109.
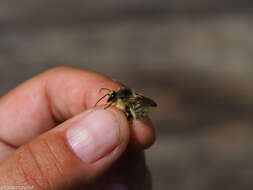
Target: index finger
column 48, row 99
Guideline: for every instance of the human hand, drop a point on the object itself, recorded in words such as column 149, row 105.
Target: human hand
column 52, row 137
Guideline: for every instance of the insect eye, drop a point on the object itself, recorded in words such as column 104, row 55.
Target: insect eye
column 112, row 97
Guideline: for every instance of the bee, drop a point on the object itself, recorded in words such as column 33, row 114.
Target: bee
column 134, row 105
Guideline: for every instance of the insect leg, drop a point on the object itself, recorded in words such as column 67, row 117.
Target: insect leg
column 128, row 113
column 109, row 105
column 140, row 111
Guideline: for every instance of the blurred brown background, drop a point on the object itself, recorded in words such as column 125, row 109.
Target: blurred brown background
column 193, row 57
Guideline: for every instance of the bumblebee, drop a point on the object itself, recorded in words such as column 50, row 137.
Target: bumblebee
column 135, row 105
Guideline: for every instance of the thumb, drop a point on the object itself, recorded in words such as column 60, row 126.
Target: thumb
column 76, row 152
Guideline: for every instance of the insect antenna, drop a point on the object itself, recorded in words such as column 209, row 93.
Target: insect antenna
column 101, row 99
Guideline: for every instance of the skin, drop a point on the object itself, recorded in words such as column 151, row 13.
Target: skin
column 34, row 117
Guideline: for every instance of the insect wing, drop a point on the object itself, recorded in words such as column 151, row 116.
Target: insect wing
column 144, row 101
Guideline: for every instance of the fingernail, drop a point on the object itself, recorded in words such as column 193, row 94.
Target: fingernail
column 95, row 136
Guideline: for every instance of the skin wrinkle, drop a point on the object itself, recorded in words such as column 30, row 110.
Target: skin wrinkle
column 7, row 148
column 19, row 166
column 55, row 120
column 8, row 144
column 56, row 162
column 26, row 177
column 49, row 186
column 56, row 114
column 81, row 96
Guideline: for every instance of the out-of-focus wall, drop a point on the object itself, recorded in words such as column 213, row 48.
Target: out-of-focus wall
column 193, row 57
